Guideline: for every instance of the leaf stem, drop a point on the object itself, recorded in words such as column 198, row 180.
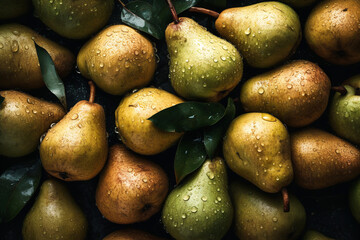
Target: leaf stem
column 204, row 11
column 285, row 196
column 173, row 12
column 92, row 92
column 340, row 89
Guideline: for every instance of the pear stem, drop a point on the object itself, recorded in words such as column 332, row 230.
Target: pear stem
column 285, row 196
column 340, row 89
column 92, row 92
column 204, row 11
column 173, row 12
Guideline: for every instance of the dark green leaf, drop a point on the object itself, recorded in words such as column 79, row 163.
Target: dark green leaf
column 1, row 99
column 188, row 116
column 211, row 3
column 18, row 183
column 190, row 155
column 152, row 18
column 214, row 134
column 52, row 80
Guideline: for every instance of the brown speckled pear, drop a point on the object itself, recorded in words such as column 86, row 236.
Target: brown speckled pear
column 257, row 147
column 131, row 234
column 138, row 133
column 297, row 93
column 321, row 159
column 131, row 188
column 265, row 33
column 54, row 215
column 23, row 119
column 332, row 31
column 19, row 66
column 75, row 149
column 118, row 59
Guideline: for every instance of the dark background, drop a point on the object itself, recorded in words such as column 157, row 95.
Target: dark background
column 327, row 210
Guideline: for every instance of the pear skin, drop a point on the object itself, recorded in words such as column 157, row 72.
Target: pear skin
column 265, row 33
column 332, row 31
column 138, row 133
column 24, row 119
column 260, row 216
column 54, row 215
column 200, row 207
column 131, row 66
column 297, row 93
column 20, row 65
column 131, row 189
column 314, row 235
column 321, row 159
column 257, row 147
column 74, row 19
column 76, row 148
column 202, row 66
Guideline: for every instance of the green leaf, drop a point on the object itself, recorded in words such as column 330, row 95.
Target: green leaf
column 211, row 3
column 214, row 134
column 152, row 18
column 52, row 80
column 188, row 116
column 1, row 99
column 190, row 155
column 18, row 183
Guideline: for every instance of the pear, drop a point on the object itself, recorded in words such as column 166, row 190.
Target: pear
column 20, row 65
column 332, row 31
column 74, row 19
column 299, row 3
column 131, row 234
column 314, row 235
column 344, row 111
column 321, row 159
column 24, row 119
column 200, row 207
column 297, row 93
column 354, row 199
column 138, row 133
column 14, row 8
column 131, row 189
column 260, row 216
column 54, row 215
column 75, row 149
column 202, row 66
column 257, row 147
column 265, row 33
column 131, row 66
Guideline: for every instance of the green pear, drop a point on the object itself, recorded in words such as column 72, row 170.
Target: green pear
column 321, row 159
column 257, row 147
column 260, row 216
column 344, row 111
column 131, row 66
column 14, row 8
column 76, row 148
column 20, row 65
column 54, row 215
column 332, row 31
column 200, row 207
column 299, row 3
column 265, row 33
column 354, row 199
column 202, row 65
column 74, row 19
column 24, row 119
column 297, row 93
column 314, row 235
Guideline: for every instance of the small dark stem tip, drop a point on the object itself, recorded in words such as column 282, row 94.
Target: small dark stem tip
column 340, row 89
column 173, row 12
column 92, row 92
column 204, row 11
column 285, row 196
